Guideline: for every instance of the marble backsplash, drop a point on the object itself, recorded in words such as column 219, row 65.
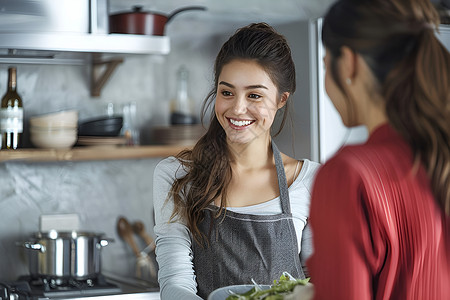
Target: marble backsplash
column 99, row 191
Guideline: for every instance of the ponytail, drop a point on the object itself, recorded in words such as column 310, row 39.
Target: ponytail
column 417, row 94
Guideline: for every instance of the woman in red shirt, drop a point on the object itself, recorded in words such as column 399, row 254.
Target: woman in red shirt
column 380, row 211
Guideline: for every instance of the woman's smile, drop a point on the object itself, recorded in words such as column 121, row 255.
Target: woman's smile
column 239, row 124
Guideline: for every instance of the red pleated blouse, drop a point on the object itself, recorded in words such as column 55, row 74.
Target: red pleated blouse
column 378, row 232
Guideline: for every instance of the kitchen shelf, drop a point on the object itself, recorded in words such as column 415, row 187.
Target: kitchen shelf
column 85, row 43
column 91, row 153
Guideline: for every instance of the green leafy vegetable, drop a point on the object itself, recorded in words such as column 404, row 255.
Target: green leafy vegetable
column 277, row 291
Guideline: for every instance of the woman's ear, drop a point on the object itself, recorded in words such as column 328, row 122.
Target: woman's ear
column 349, row 64
column 283, row 99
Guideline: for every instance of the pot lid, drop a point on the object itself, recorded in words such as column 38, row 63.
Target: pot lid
column 137, row 9
column 54, row 234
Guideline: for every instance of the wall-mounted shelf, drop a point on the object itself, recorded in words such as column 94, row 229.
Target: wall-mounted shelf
column 91, row 153
column 86, row 43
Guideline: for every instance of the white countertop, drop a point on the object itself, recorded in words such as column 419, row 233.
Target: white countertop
column 129, row 296
column 131, row 289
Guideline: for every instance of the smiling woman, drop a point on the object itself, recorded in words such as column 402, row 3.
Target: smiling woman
column 234, row 208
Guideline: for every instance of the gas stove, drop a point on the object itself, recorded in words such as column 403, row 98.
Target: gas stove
column 29, row 288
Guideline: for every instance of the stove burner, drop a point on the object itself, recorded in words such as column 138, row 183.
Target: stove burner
column 52, row 283
column 49, row 283
column 57, row 287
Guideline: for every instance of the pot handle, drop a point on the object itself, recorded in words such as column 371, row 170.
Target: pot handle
column 177, row 11
column 137, row 8
column 34, row 246
column 104, row 242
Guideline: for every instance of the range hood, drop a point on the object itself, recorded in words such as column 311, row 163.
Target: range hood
column 65, row 31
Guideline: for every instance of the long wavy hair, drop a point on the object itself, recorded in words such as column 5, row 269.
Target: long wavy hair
column 397, row 40
column 208, row 163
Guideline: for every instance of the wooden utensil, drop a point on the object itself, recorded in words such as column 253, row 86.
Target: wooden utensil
column 126, row 233
column 145, row 268
column 139, row 229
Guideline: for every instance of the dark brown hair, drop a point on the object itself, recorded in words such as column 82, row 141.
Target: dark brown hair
column 397, row 40
column 208, row 163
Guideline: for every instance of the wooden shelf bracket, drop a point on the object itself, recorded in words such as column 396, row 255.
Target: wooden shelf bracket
column 100, row 77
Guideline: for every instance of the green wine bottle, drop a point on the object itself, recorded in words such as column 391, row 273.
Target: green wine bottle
column 11, row 114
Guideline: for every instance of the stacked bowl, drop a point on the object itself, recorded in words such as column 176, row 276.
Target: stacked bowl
column 56, row 130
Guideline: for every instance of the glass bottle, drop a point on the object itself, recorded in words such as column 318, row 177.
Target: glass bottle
column 11, row 114
column 182, row 105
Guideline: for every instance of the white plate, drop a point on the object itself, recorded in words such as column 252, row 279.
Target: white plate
column 101, row 141
column 224, row 292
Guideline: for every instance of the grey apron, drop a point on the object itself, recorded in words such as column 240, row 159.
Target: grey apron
column 245, row 246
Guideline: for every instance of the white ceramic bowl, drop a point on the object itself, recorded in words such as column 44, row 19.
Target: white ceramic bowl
column 57, row 138
column 224, row 292
column 65, row 118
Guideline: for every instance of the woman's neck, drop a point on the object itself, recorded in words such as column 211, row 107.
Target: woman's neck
column 374, row 114
column 253, row 155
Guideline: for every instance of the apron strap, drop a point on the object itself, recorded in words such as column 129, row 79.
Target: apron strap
column 282, row 182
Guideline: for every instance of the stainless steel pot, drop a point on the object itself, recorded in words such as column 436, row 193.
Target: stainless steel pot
column 74, row 254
